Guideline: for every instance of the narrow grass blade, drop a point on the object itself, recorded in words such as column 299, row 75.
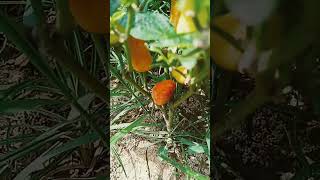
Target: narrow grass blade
column 194, row 147
column 163, row 153
column 25, row 105
column 117, row 155
column 37, row 143
column 84, row 101
column 123, row 132
column 35, row 165
column 16, row 139
column 85, row 139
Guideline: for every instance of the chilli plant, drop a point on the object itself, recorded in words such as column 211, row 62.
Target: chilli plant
column 69, row 96
column 160, row 69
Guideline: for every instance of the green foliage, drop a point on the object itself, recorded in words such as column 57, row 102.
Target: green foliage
column 151, row 26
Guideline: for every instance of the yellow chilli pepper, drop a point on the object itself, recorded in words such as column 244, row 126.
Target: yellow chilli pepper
column 186, row 22
column 223, row 53
column 180, row 74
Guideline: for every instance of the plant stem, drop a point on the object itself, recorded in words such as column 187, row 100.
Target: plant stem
column 173, row 106
column 127, row 51
column 118, row 76
column 170, row 119
column 127, row 34
column 183, row 98
column 166, row 118
column 144, row 81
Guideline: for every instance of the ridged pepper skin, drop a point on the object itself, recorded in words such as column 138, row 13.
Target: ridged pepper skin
column 179, row 73
column 141, row 58
column 163, row 92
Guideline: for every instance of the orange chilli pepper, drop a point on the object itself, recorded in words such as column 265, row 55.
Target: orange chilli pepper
column 92, row 15
column 163, row 91
column 141, row 59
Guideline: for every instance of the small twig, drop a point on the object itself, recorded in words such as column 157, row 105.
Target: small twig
column 4, row 44
column 170, row 120
column 149, row 174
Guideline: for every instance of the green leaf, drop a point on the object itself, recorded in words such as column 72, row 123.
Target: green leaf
column 114, row 5
column 36, row 144
column 84, row 101
column 181, row 40
column 151, row 26
column 163, row 154
column 29, row 18
column 4, row 93
column 194, row 147
column 14, row 90
column 127, row 2
column 124, row 112
column 85, row 139
column 4, row 170
column 25, row 105
column 117, row 155
column 123, row 132
column 208, row 141
column 197, row 149
column 188, row 62
column 22, row 138
column 35, row 165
